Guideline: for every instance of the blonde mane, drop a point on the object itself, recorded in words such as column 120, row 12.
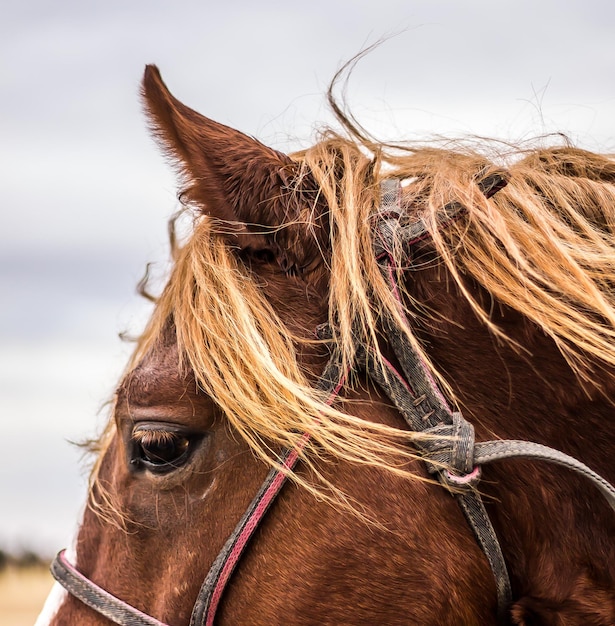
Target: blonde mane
column 543, row 245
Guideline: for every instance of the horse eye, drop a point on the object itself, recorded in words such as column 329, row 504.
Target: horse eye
column 159, row 449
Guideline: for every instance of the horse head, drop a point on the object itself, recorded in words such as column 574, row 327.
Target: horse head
column 501, row 289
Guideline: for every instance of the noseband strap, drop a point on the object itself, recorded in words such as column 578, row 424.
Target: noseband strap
column 96, row 597
column 450, row 452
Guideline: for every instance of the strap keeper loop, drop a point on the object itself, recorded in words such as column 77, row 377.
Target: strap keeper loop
column 469, row 480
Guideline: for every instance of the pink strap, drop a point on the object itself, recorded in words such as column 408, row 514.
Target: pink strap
column 231, row 557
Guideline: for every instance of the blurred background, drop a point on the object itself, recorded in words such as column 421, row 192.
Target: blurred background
column 85, row 195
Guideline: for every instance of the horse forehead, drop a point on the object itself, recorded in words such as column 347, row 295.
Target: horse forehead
column 156, row 378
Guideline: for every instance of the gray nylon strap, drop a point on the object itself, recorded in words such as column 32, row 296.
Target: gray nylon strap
column 477, row 517
column 449, row 452
column 95, row 597
column 435, row 410
column 489, row 451
column 462, row 448
column 443, row 452
column 390, row 231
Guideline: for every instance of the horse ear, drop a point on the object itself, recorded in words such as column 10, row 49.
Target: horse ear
column 233, row 177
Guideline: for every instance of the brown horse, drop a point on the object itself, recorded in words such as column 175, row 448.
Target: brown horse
column 505, row 297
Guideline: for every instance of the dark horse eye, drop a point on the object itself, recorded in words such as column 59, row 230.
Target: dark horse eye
column 159, row 448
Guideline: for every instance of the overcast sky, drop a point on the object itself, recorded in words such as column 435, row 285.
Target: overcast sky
column 85, row 196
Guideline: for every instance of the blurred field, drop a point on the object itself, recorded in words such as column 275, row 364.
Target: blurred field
column 22, row 594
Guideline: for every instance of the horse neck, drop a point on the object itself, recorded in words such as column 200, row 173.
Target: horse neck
column 526, row 393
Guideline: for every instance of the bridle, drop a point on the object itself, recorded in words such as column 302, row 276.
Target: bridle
column 450, row 452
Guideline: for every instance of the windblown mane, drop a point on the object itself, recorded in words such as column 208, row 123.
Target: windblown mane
column 543, row 246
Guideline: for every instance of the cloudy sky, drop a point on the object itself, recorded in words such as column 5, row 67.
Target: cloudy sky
column 85, row 196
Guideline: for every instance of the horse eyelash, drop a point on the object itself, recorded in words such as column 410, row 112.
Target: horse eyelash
column 160, row 436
